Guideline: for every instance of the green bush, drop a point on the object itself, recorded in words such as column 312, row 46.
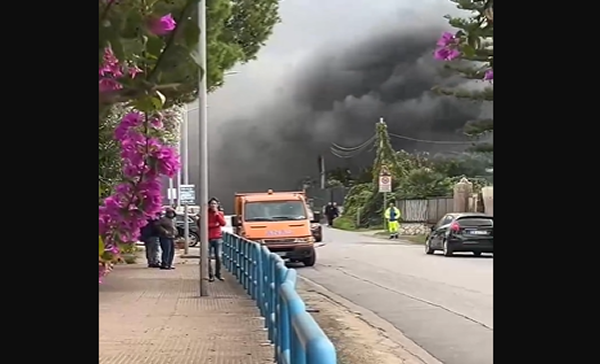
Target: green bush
column 344, row 223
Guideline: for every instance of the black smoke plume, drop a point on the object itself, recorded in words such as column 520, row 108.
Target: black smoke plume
column 338, row 97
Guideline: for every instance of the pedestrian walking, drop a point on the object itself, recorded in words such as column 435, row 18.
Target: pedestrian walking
column 216, row 221
column 392, row 215
column 149, row 236
column 167, row 233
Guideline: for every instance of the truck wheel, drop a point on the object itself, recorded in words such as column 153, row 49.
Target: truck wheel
column 310, row 261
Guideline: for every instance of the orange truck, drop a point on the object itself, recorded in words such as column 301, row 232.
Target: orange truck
column 279, row 220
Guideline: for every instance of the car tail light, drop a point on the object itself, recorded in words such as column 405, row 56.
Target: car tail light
column 455, row 227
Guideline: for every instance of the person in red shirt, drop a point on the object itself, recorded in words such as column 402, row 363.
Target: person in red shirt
column 216, row 220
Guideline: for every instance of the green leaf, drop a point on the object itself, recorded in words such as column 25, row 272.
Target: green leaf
column 154, row 46
column 191, row 35
column 100, row 246
column 150, row 103
column 159, row 100
column 133, row 22
column 468, row 50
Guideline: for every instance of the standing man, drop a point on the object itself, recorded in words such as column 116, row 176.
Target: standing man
column 167, row 233
column 149, row 236
column 329, row 213
column 216, row 220
column 392, row 215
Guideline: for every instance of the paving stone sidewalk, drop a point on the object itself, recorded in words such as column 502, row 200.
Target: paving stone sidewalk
column 153, row 316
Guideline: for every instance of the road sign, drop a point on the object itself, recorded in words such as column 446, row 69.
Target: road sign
column 187, row 195
column 385, row 184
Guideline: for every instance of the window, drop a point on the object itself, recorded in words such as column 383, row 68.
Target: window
column 445, row 220
column 476, row 221
column 274, row 211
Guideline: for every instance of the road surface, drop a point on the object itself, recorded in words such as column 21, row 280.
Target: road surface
column 445, row 305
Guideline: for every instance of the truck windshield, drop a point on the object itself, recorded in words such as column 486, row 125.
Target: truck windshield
column 274, row 211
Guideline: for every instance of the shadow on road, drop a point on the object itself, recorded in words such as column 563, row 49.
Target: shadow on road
column 467, row 256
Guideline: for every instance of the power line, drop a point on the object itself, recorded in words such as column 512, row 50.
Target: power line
column 350, row 149
column 349, row 152
column 428, row 141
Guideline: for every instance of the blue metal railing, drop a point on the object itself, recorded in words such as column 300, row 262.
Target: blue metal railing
column 296, row 336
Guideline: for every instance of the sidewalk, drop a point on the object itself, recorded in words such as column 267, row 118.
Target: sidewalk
column 156, row 316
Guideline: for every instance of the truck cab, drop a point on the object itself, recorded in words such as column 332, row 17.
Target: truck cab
column 278, row 220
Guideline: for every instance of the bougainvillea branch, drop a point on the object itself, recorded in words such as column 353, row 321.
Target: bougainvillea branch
column 145, row 159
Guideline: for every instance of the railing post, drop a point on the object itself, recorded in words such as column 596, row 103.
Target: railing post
column 280, row 273
column 265, row 288
column 244, row 260
column 247, row 253
column 238, row 259
column 266, row 280
column 233, row 257
column 260, row 286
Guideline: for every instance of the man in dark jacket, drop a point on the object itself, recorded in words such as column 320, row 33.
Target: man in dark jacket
column 331, row 212
column 167, row 233
column 149, row 236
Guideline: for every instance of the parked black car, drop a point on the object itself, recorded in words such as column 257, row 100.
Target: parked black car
column 193, row 228
column 462, row 232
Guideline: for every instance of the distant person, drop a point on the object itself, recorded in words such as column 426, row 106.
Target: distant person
column 216, row 220
column 331, row 212
column 149, row 236
column 167, row 233
column 392, row 215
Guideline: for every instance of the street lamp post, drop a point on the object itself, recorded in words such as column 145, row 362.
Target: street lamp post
column 203, row 129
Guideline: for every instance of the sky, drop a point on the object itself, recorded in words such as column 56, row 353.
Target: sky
column 330, row 70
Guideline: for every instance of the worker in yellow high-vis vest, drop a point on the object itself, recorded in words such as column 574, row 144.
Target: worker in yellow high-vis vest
column 392, row 215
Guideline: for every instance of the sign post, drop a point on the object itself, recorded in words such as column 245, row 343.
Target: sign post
column 187, row 196
column 385, row 186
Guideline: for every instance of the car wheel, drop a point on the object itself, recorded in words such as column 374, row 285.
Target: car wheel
column 193, row 239
column 319, row 239
column 428, row 249
column 447, row 249
column 310, row 261
column 477, row 253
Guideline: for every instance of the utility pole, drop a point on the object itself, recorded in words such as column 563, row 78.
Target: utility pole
column 178, row 179
column 381, row 148
column 203, row 129
column 322, row 172
column 186, row 177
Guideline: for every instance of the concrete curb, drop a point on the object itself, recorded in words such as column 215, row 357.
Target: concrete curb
column 369, row 317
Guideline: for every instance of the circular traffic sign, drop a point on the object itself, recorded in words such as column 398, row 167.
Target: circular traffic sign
column 385, row 180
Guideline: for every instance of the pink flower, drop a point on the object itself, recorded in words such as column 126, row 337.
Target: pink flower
column 134, row 71
column 144, row 160
column 446, row 54
column 161, row 26
column 109, row 84
column 110, row 65
column 446, row 40
column 489, row 75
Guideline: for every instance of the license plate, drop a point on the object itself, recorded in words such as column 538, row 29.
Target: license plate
column 477, row 232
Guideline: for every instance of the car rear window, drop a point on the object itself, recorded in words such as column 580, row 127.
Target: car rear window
column 476, row 221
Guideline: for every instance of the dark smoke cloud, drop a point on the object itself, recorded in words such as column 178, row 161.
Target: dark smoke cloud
column 339, row 98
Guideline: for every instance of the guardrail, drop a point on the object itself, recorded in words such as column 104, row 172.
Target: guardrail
column 297, row 338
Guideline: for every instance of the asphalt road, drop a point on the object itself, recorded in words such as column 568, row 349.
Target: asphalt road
column 445, row 305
